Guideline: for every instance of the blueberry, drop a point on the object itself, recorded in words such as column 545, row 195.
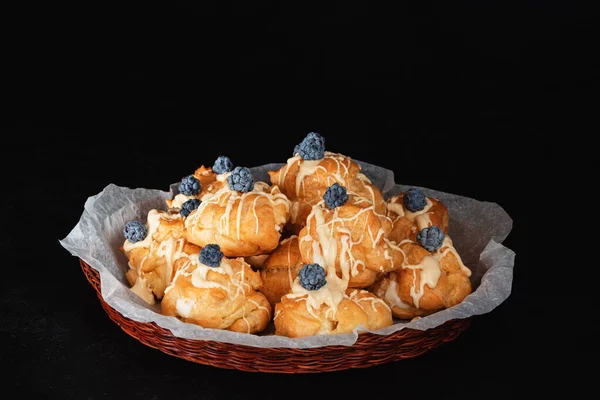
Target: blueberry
column 190, row 185
column 135, row 231
column 222, row 165
column 414, row 200
column 312, row 277
column 431, row 238
column 312, row 147
column 188, row 207
column 241, row 180
column 335, row 196
column 296, row 150
column 211, row 255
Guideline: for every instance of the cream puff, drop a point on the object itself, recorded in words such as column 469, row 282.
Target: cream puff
column 152, row 250
column 213, row 291
column 307, row 175
column 245, row 218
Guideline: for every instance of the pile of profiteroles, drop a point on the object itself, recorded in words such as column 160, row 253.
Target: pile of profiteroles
column 318, row 250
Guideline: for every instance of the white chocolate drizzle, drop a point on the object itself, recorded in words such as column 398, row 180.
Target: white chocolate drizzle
column 181, row 198
column 430, row 274
column 391, row 295
column 372, row 299
column 140, row 289
column 229, row 199
column 448, row 247
column 169, row 248
column 184, row 307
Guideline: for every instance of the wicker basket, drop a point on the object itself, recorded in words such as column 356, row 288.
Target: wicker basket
column 369, row 350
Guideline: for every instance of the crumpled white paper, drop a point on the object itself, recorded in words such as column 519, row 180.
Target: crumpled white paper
column 477, row 229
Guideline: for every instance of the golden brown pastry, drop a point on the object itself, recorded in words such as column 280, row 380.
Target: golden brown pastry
column 426, row 283
column 280, row 270
column 304, row 182
column 353, row 238
column 307, row 314
column 406, row 223
column 152, row 261
column 225, row 296
column 243, row 223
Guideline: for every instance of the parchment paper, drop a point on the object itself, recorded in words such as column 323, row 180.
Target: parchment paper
column 477, row 229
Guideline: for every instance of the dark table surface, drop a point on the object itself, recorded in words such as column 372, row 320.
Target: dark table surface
column 140, row 97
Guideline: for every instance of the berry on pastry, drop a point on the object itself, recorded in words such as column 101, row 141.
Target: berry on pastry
column 312, row 277
column 135, row 231
column 312, row 147
column 222, row 165
column 211, row 255
column 190, row 185
column 241, row 180
column 431, row 238
column 335, row 196
column 189, row 206
column 414, row 200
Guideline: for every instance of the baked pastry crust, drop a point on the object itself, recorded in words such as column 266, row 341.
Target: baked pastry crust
column 304, row 182
column 242, row 224
column 426, row 283
column 299, row 314
column 152, row 262
column 280, row 269
column 353, row 238
column 225, row 297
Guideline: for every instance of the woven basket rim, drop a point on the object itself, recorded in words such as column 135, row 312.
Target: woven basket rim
column 369, row 350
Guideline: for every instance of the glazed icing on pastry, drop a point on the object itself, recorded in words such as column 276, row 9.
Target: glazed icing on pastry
column 333, row 247
column 428, row 280
column 430, row 270
column 372, row 300
column 391, row 295
column 242, row 223
column 153, row 220
column 309, row 167
column 338, row 233
column 160, row 248
column 421, row 217
column 430, row 273
column 229, row 198
column 304, row 181
column 235, row 287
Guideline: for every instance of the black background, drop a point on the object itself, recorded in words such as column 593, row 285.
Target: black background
column 480, row 99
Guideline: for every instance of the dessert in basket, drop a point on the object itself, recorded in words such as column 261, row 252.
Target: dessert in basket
column 316, row 251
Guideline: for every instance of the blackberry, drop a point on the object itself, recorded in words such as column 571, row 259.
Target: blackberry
column 190, row 185
column 431, row 238
column 188, row 207
column 414, row 200
column 222, row 165
column 211, row 255
column 312, row 277
column 335, row 196
column 135, row 231
column 241, row 180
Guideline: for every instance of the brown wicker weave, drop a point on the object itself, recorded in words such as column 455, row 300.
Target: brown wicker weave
column 369, row 349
